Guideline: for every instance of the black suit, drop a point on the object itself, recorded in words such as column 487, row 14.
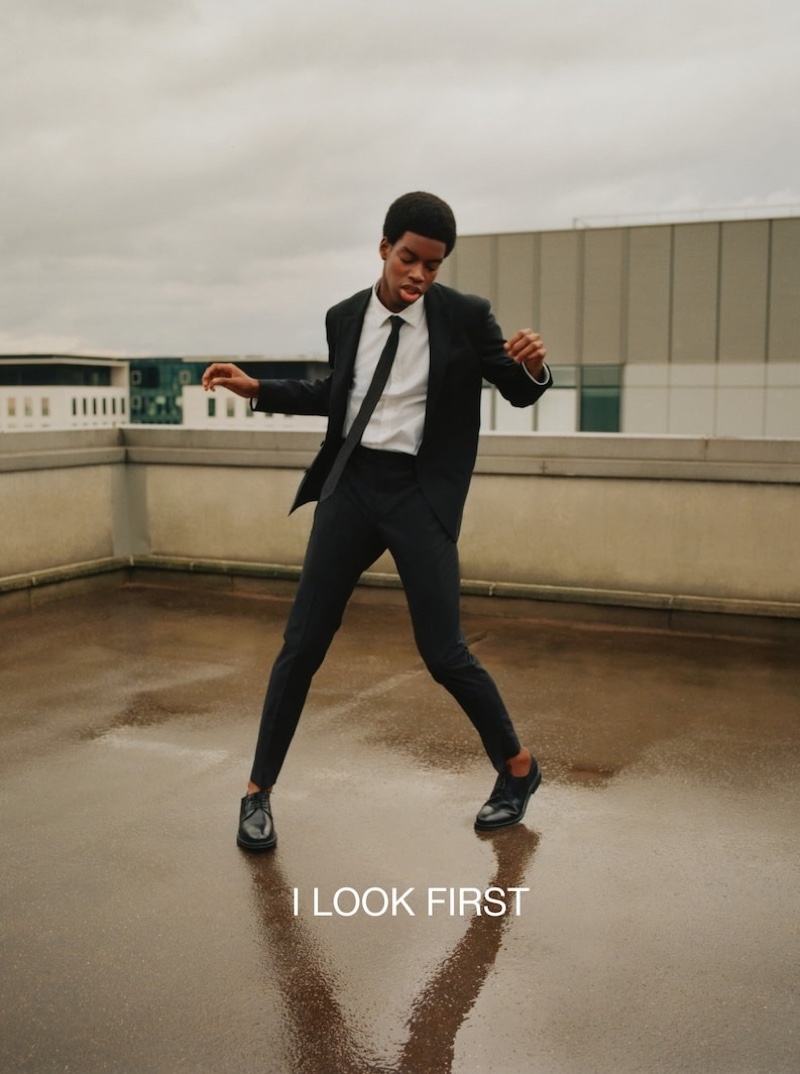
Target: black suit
column 410, row 505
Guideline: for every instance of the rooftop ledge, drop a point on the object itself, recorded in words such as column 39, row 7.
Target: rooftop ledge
column 645, row 530
column 614, row 455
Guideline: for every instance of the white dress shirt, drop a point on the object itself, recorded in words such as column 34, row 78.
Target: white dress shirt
column 397, row 422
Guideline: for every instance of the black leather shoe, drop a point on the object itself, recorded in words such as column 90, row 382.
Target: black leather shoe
column 256, row 830
column 509, row 799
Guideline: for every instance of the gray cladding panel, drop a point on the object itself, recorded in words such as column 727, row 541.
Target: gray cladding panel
column 475, row 266
column 744, row 282
column 517, row 303
column 784, row 312
column 560, row 292
column 690, row 294
column 648, row 305
column 602, row 296
column 695, row 292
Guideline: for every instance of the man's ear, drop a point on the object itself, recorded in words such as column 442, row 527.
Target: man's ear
column 384, row 247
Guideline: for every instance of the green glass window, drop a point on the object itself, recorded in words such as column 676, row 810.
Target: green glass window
column 600, row 399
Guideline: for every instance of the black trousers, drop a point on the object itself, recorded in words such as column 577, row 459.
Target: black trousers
column 376, row 506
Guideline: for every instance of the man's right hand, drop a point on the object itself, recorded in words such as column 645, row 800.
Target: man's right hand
column 230, row 376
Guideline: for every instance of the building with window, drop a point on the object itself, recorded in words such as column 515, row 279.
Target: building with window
column 689, row 328
column 682, row 328
column 157, row 385
column 168, row 391
column 57, row 391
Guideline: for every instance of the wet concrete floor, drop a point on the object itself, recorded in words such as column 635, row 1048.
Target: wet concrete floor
column 657, row 925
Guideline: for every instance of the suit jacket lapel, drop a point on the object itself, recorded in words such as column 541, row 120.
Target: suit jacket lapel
column 345, row 344
column 438, row 318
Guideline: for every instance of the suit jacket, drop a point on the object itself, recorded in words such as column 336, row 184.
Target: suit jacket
column 466, row 347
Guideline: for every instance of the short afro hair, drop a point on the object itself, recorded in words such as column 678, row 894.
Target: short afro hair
column 424, row 214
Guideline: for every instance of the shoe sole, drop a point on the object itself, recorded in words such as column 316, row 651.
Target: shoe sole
column 508, row 823
column 256, row 847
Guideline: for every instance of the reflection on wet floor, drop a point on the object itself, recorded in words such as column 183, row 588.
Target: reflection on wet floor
column 324, row 1041
column 582, row 773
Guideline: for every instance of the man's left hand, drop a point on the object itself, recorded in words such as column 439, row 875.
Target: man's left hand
column 526, row 347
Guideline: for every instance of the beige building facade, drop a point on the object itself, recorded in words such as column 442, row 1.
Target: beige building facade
column 688, row 328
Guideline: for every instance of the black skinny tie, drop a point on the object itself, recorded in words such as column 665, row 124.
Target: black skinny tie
column 368, row 404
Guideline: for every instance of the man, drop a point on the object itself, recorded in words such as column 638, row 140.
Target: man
column 408, row 358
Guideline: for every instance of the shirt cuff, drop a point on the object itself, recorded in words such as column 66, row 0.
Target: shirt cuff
column 545, row 371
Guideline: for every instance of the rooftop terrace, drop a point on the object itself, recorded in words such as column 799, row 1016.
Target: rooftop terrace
column 647, row 647
column 656, row 928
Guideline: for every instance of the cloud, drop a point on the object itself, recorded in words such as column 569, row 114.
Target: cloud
column 206, row 176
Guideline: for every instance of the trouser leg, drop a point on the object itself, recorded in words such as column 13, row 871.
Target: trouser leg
column 342, row 545
column 427, row 561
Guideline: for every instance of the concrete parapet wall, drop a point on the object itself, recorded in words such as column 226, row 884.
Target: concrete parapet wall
column 674, row 522
column 679, row 518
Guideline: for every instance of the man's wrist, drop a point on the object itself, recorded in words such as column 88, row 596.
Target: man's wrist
column 544, row 374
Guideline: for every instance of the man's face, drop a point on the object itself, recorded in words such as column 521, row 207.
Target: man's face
column 410, row 266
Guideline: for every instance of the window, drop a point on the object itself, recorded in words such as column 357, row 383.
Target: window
column 212, row 408
column 230, row 405
column 600, row 399
column 12, row 408
column 45, row 407
column 28, row 408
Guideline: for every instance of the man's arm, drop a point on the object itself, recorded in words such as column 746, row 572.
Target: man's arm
column 272, row 396
column 516, row 367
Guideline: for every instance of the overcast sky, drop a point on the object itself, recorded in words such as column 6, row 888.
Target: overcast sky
column 208, row 176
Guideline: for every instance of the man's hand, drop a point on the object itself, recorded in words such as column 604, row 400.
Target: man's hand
column 232, row 377
column 526, row 347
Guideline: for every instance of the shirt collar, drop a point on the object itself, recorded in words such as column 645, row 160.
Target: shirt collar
column 413, row 314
